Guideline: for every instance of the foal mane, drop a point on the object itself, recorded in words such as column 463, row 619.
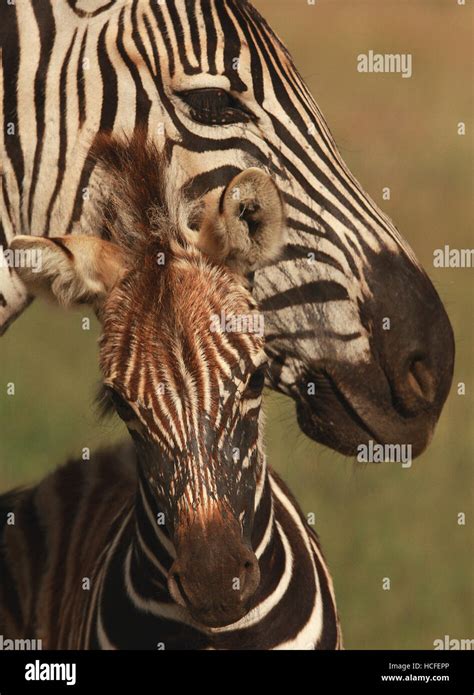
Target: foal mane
column 139, row 202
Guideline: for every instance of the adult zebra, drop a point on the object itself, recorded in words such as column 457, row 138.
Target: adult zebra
column 196, row 544
column 211, row 76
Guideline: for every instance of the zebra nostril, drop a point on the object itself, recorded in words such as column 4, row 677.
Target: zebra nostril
column 250, row 577
column 420, row 379
column 176, row 588
column 414, row 385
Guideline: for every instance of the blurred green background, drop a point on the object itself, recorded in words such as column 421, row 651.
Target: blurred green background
column 375, row 521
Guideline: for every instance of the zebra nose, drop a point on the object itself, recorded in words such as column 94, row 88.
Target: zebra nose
column 412, row 341
column 420, row 379
column 215, row 586
column 414, row 383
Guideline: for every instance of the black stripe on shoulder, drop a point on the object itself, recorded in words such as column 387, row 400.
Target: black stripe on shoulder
column 315, row 292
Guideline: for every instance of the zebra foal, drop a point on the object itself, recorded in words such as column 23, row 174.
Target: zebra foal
column 196, row 544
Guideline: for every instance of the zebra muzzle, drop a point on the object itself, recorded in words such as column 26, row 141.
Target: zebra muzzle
column 215, row 575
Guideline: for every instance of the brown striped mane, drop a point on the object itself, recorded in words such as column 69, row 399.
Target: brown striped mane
column 137, row 203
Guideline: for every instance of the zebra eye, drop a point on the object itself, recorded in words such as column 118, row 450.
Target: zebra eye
column 256, row 383
column 122, row 408
column 215, row 107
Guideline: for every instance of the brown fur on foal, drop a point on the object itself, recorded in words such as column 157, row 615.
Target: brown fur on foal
column 52, row 529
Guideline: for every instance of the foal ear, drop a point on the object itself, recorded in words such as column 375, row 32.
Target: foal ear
column 248, row 230
column 69, row 269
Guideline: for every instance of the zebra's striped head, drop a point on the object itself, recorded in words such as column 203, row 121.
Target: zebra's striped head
column 182, row 356
column 356, row 333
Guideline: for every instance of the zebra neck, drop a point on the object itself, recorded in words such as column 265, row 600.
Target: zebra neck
column 264, row 519
column 293, row 607
column 151, row 550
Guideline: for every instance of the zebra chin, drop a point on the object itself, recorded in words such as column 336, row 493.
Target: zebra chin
column 354, row 406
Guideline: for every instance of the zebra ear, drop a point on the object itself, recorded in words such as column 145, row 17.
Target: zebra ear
column 69, row 270
column 249, row 229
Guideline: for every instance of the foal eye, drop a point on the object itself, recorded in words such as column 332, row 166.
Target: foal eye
column 212, row 106
column 122, row 408
column 256, row 383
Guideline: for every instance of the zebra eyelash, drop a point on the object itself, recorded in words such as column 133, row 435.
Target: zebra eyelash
column 110, row 402
column 212, row 106
column 104, row 403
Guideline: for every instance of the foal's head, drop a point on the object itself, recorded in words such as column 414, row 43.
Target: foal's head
column 182, row 356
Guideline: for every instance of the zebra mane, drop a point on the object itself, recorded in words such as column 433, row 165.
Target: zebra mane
column 138, row 200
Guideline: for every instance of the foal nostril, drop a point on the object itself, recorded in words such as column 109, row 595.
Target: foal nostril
column 175, row 577
column 176, row 587
column 250, row 576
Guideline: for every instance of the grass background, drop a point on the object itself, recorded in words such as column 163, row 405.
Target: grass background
column 375, row 521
